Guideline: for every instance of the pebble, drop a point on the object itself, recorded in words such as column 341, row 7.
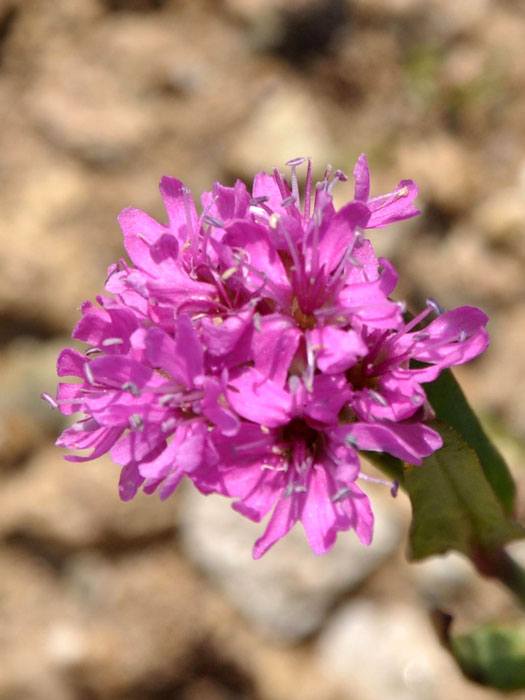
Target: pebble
column 381, row 650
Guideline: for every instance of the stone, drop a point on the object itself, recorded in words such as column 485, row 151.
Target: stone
column 52, row 257
column 286, row 593
column 517, row 551
column 142, row 621
column 441, row 19
column 284, row 124
column 503, row 371
column 91, row 116
column 103, row 628
column 30, row 598
column 27, row 368
column 443, row 169
column 463, row 269
column 72, row 506
column 389, row 650
column 501, row 219
column 442, row 580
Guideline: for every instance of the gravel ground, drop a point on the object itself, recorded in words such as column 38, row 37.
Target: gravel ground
column 98, row 99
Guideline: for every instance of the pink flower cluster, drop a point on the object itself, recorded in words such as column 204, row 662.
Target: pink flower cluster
column 254, row 348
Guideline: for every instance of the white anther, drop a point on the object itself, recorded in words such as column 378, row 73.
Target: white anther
column 273, row 221
column 168, row 425
column 89, row 373
column 228, row 273
column 294, row 162
column 340, row 494
column 136, row 422
column 131, row 387
column 352, row 441
column 50, row 400
column 435, row 306
column 212, row 221
column 376, row 396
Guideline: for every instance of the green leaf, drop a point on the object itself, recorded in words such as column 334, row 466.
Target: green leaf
column 451, row 407
column 492, row 655
column 453, row 504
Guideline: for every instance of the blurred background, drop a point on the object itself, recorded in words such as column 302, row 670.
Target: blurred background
column 98, row 99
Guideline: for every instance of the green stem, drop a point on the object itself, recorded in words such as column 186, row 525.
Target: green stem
column 501, row 566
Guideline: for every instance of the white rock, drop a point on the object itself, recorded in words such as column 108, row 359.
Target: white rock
column 65, row 644
column 517, row 551
column 501, row 218
column 389, row 652
column 441, row 579
column 287, row 592
column 284, row 125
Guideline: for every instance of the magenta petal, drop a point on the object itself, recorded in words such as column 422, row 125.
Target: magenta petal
column 170, row 484
column 70, row 363
column 460, row 333
column 180, row 207
column 369, row 303
column 362, row 179
column 93, row 325
column 136, row 446
column 240, row 458
column 327, row 398
column 185, row 452
column 139, row 252
column 274, row 346
column 283, row 518
column 109, row 328
column 318, row 516
column 103, row 439
column 220, row 337
column 81, row 435
column 189, row 347
column 130, row 482
column 137, row 223
column 393, row 207
column 268, row 273
column 335, row 349
column 69, row 397
column 264, row 185
column 339, row 234
column 215, row 407
column 259, row 399
column 117, row 371
column 410, row 442
column 268, row 487
column 328, row 509
column 161, row 464
column 357, row 508
column 182, row 358
column 397, row 397
column 388, row 278
column 227, row 203
column 161, row 352
column 345, row 464
column 165, row 249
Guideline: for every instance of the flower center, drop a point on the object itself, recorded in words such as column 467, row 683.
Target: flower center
column 359, row 379
column 302, row 441
column 304, row 321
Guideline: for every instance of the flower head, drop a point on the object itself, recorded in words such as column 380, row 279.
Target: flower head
column 254, row 348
